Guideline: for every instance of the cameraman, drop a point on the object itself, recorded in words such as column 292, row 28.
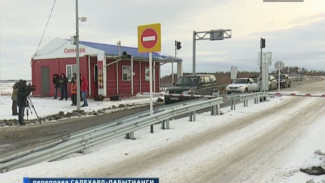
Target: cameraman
column 23, row 93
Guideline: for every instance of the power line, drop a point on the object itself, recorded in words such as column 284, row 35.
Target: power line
column 48, row 20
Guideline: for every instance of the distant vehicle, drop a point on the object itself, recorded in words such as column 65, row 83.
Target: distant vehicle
column 242, row 85
column 202, row 84
column 285, row 81
column 273, row 83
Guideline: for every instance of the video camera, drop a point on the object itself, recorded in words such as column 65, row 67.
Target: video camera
column 28, row 87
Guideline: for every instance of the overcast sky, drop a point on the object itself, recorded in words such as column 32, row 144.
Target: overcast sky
column 294, row 32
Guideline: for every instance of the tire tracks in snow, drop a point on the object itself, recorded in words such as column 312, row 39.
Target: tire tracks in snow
column 162, row 157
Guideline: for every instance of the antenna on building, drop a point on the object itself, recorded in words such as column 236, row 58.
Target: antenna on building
column 119, row 48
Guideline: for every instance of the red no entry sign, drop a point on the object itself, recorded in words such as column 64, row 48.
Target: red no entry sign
column 149, row 38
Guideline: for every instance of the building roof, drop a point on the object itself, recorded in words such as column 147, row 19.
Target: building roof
column 62, row 48
column 113, row 50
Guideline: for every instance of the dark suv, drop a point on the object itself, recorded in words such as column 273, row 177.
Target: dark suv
column 285, row 81
column 202, row 84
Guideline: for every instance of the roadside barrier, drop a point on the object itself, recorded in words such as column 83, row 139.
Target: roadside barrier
column 78, row 142
column 260, row 96
column 297, row 94
column 126, row 126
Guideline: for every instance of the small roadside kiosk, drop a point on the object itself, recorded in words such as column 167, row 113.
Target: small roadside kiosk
column 108, row 68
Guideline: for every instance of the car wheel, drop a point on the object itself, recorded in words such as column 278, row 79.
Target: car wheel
column 289, row 85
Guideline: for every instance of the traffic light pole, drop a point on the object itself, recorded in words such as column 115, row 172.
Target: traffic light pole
column 208, row 35
column 261, row 70
column 173, row 64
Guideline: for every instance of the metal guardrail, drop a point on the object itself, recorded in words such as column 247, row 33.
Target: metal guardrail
column 80, row 141
column 245, row 97
column 125, row 126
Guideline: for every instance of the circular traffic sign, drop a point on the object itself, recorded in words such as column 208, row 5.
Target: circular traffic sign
column 279, row 65
column 149, row 38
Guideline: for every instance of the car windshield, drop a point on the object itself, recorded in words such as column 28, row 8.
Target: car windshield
column 281, row 76
column 187, row 81
column 241, row 81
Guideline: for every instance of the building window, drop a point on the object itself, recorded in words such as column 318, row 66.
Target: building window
column 70, row 69
column 147, row 74
column 126, row 73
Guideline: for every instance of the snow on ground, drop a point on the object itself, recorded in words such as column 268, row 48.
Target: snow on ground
column 49, row 106
column 116, row 150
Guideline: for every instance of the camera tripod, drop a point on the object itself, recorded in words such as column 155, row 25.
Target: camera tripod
column 30, row 105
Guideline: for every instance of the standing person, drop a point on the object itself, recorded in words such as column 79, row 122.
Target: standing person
column 73, row 89
column 56, row 79
column 14, row 99
column 64, row 89
column 84, row 88
column 22, row 100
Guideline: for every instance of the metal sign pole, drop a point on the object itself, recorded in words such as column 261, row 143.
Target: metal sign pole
column 150, row 80
column 77, row 56
column 194, row 47
column 279, row 80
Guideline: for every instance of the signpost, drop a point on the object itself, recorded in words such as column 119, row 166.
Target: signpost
column 149, row 40
column 279, row 65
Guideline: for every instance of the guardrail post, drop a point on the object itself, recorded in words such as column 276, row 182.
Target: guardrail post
column 233, row 104
column 218, row 109
column 193, row 116
column 214, row 110
column 151, row 128
column 165, row 124
column 245, row 102
column 130, row 136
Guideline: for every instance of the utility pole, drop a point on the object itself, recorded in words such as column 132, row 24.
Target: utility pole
column 262, row 45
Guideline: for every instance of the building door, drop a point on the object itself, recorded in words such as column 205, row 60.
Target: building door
column 93, row 76
column 45, row 77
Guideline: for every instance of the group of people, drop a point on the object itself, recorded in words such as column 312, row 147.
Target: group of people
column 19, row 98
column 61, row 83
column 21, row 91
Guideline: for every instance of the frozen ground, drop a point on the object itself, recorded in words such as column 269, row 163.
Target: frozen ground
column 95, row 161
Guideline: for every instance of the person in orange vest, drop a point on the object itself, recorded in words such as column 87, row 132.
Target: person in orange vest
column 73, row 89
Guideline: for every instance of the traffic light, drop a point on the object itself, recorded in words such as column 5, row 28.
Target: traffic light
column 178, row 45
column 262, row 43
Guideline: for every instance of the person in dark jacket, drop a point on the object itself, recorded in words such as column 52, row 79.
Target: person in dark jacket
column 56, row 79
column 22, row 95
column 14, row 99
column 63, row 84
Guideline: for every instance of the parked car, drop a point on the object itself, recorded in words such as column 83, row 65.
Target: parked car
column 203, row 84
column 241, row 85
column 285, row 81
column 273, row 83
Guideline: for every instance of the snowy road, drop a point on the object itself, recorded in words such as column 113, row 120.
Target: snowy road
column 266, row 142
column 252, row 149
